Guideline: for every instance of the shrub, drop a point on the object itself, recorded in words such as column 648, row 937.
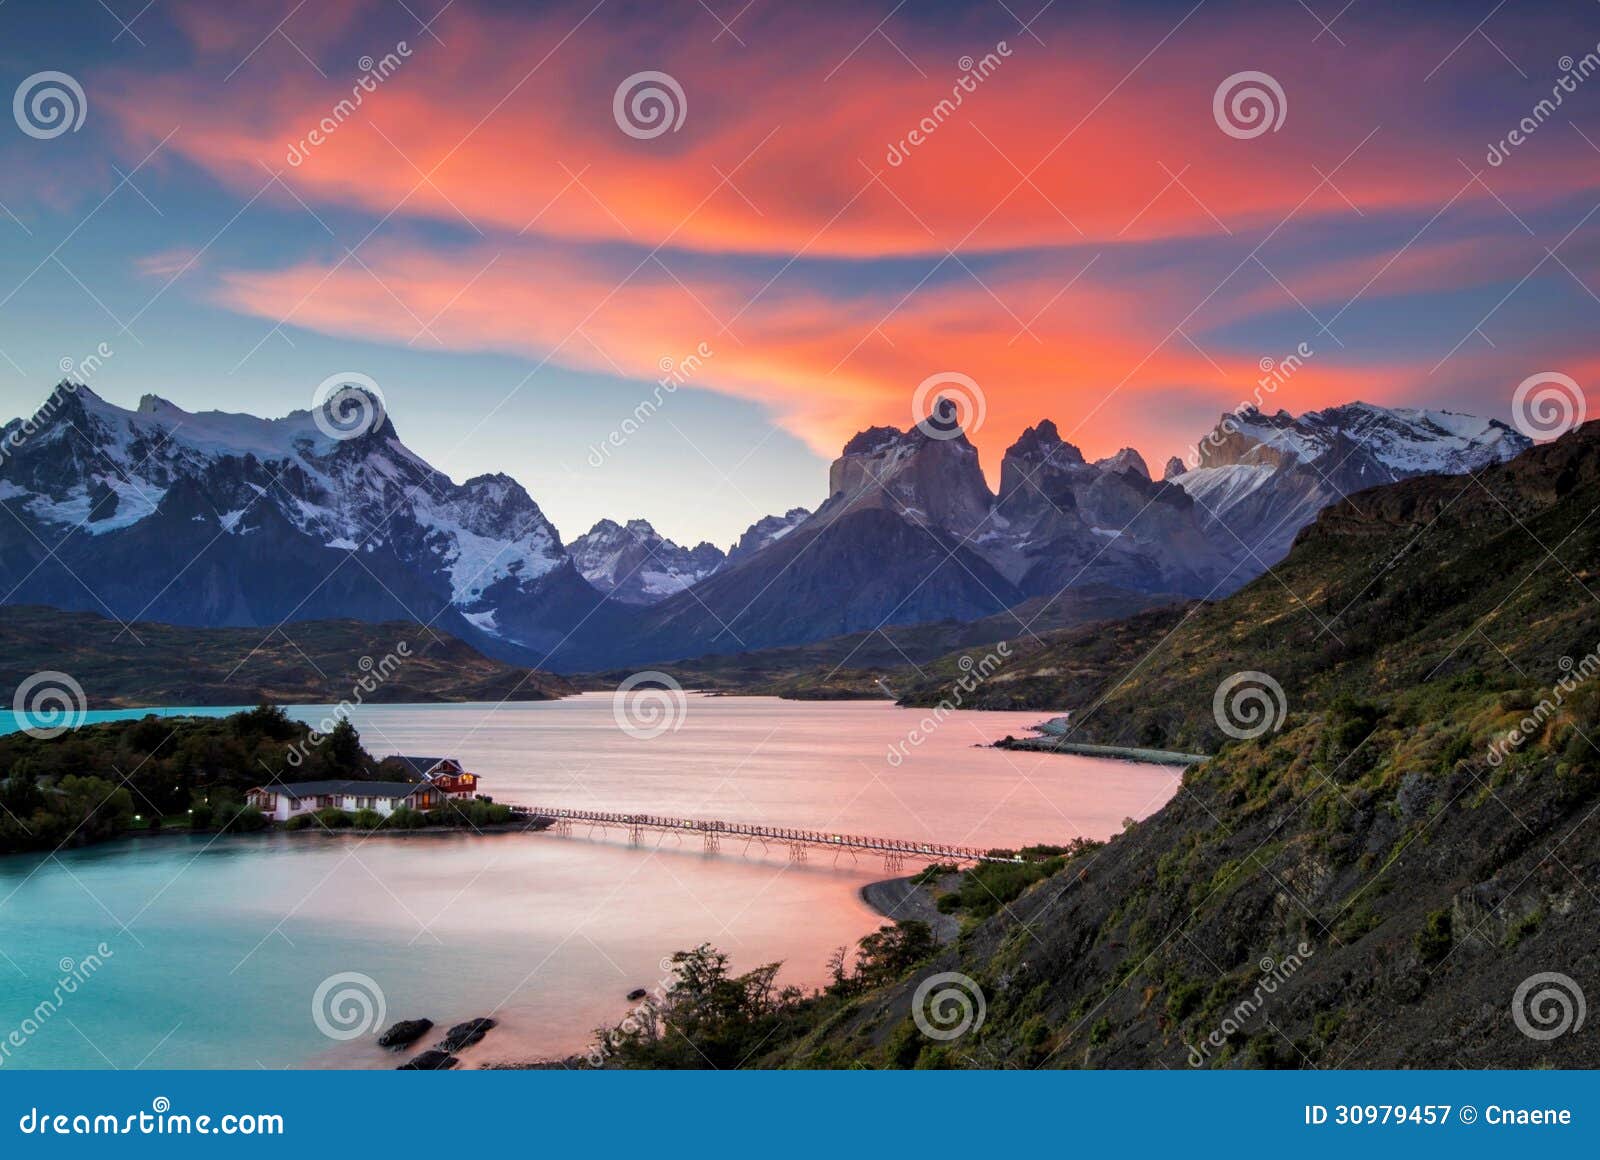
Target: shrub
column 333, row 818
column 367, row 819
column 200, row 818
column 247, row 820
column 405, row 818
column 1435, row 937
column 298, row 822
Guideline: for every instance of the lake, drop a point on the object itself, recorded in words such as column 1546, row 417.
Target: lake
column 218, row 946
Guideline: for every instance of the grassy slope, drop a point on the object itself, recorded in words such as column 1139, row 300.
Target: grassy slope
column 1411, row 627
column 309, row 662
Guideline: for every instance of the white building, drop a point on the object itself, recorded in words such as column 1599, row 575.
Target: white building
column 282, row 802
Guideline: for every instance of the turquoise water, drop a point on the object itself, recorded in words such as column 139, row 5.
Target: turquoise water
column 217, row 947
column 9, row 721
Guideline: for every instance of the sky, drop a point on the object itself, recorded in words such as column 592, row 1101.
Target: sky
column 1110, row 215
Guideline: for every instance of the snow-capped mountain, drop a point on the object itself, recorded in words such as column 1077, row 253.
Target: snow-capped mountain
column 634, row 563
column 766, row 530
column 223, row 519
column 1258, row 478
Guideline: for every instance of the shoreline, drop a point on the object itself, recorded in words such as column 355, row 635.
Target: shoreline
column 1120, row 752
column 899, row 899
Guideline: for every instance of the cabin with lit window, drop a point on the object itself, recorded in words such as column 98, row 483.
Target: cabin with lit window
column 435, row 781
column 446, row 775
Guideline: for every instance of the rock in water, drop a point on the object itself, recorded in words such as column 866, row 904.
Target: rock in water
column 464, row 1034
column 430, row 1060
column 405, row 1033
column 636, row 994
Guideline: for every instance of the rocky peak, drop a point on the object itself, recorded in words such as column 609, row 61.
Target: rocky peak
column 767, row 530
column 1175, row 467
column 1125, row 460
column 931, row 480
column 635, row 564
column 1044, row 442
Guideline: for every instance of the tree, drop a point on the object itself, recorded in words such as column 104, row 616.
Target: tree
column 343, row 747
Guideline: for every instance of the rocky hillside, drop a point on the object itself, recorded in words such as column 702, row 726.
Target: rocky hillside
column 1385, row 865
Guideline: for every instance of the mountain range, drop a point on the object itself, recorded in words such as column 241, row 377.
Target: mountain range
column 229, row 520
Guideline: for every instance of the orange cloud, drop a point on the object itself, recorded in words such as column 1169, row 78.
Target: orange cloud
column 784, row 146
column 823, row 370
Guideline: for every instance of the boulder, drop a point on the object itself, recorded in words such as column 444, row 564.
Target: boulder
column 430, row 1060
column 464, row 1034
column 405, row 1033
